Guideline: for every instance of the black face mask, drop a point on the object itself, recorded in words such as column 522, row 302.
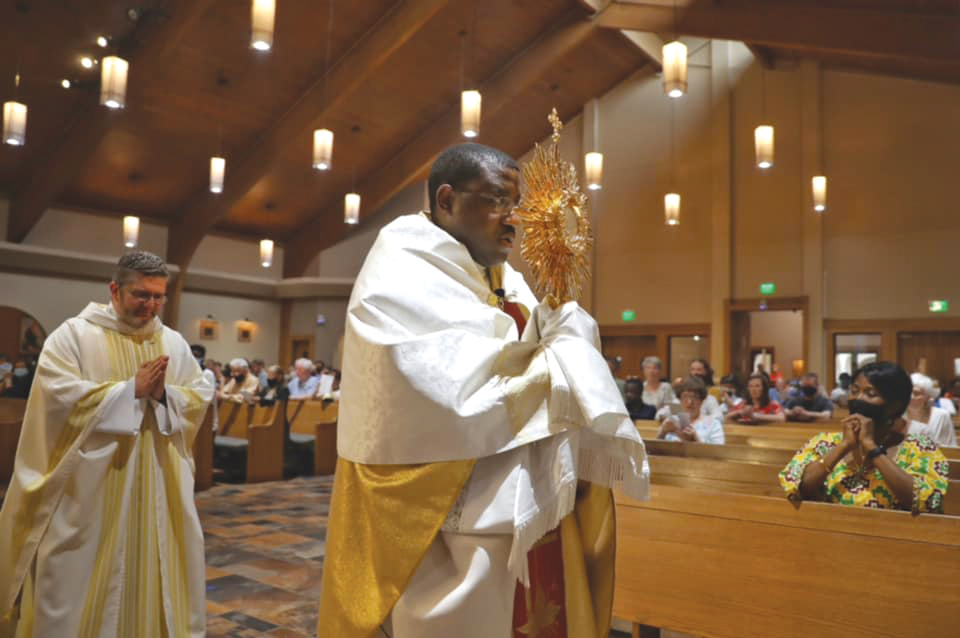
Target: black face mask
column 809, row 391
column 272, row 383
column 239, row 377
column 874, row 412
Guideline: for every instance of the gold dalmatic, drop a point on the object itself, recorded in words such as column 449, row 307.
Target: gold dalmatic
column 557, row 236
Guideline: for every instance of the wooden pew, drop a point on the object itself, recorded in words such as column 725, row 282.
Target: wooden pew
column 721, row 564
column 316, row 422
column 203, row 453
column 259, row 432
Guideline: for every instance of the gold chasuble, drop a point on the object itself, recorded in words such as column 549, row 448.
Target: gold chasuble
column 447, row 409
column 99, row 535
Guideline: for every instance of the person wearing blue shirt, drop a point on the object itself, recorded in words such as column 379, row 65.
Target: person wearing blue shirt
column 303, row 385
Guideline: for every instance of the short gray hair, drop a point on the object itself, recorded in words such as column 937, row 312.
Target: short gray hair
column 924, row 383
column 139, row 262
column 652, row 361
column 304, row 363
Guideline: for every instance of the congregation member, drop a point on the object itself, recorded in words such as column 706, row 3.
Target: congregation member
column 242, row 386
column 731, row 393
column 701, row 369
column 757, row 408
column 841, row 394
column 259, row 370
column 303, row 385
column 99, row 534
column 274, row 389
column 614, row 363
column 781, row 392
column 811, row 405
column 325, row 383
column 874, row 461
column 637, row 407
column 15, row 384
column 478, row 434
column 950, row 399
column 656, row 391
column 924, row 418
column 691, row 423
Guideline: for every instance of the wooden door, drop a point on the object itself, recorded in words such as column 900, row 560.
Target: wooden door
column 632, row 350
column 300, row 347
column 740, row 360
column 938, row 348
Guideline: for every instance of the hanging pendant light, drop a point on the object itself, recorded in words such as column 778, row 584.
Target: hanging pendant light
column 262, row 13
column 671, row 209
column 266, row 252
column 675, row 68
column 351, row 208
column 323, row 149
column 113, row 82
column 14, row 123
column 218, row 166
column 131, row 231
column 820, row 193
column 593, row 170
column 763, row 141
column 470, row 113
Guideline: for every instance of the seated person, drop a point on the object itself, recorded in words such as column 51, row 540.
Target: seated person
column 242, row 385
column 690, row 423
column 325, row 383
column 303, row 385
column 731, row 393
column 656, row 392
column 950, row 398
column 873, row 462
column 638, row 409
column 758, row 408
column 811, row 406
column 923, row 418
column 16, row 384
column 841, row 393
column 780, row 392
column 275, row 389
column 701, row 369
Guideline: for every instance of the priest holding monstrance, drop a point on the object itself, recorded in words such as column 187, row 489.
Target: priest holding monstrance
column 480, row 430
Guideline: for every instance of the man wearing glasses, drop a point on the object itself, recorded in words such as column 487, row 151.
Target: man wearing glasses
column 469, row 415
column 99, row 535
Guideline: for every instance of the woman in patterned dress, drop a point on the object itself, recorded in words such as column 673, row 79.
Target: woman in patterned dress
column 873, row 462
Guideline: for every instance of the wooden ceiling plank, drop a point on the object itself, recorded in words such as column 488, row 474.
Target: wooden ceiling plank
column 246, row 168
column 56, row 167
column 649, row 43
column 414, row 160
column 867, row 32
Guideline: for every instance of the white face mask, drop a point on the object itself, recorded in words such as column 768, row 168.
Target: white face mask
column 5, row 368
column 20, row 372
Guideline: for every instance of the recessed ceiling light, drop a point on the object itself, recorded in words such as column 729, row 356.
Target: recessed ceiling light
column 86, row 62
column 65, row 83
column 102, row 42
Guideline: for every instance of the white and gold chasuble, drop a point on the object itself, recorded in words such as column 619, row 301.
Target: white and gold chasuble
column 99, row 535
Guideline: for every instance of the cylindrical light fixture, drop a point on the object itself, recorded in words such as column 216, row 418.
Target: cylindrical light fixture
column 262, row 14
column 266, row 252
column 593, row 170
column 323, row 149
column 14, row 123
column 671, row 209
column 819, row 193
column 131, row 231
column 470, row 113
column 351, row 208
column 675, row 68
column 763, row 140
column 218, row 166
column 113, row 82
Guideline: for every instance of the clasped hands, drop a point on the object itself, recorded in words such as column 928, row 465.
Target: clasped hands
column 857, row 433
column 150, row 379
column 685, row 432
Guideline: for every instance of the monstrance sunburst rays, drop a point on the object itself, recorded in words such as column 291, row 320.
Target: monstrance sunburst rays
column 556, row 224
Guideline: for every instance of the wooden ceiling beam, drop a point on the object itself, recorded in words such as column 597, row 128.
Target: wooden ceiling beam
column 875, row 33
column 247, row 167
column 650, row 44
column 414, row 160
column 147, row 47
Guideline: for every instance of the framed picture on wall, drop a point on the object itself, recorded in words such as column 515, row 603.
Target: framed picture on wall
column 244, row 332
column 209, row 330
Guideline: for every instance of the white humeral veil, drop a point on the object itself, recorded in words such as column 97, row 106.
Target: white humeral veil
column 99, row 531
column 434, row 371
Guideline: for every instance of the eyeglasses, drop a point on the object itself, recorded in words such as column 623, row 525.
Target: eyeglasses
column 500, row 203
column 145, row 297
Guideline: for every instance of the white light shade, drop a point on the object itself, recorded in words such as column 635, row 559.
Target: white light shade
column 763, row 140
column 323, row 149
column 14, row 123
column 266, row 252
column 113, row 82
column 671, row 209
column 351, row 208
column 819, row 193
column 593, row 170
column 218, row 167
column 131, row 231
column 470, row 113
column 675, row 68
column 261, row 17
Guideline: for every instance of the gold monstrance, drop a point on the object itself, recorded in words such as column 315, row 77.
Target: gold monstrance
column 556, row 223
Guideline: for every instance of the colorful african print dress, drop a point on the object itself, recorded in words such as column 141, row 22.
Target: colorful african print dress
column 918, row 456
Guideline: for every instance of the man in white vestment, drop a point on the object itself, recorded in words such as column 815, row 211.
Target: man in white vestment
column 99, row 535
column 479, row 433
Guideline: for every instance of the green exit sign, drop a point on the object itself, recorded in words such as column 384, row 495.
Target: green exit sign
column 768, row 288
column 628, row 315
column 939, row 305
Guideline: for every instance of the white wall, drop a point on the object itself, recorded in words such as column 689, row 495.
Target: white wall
column 265, row 315
column 326, row 338
column 780, row 329
column 50, row 300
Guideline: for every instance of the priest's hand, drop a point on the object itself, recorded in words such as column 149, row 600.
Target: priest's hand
column 569, row 320
column 150, row 374
column 159, row 386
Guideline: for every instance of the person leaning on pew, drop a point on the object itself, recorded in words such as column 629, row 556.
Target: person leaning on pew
column 873, row 462
column 758, row 407
column 688, row 422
